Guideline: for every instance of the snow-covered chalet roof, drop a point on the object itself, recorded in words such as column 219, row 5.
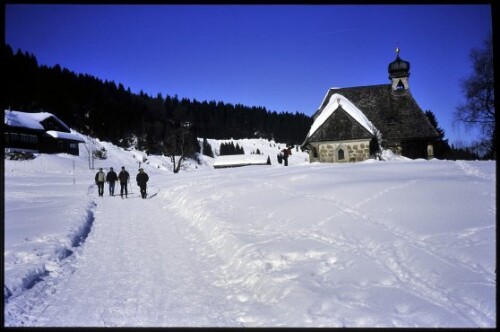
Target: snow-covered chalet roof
column 63, row 135
column 336, row 101
column 29, row 120
column 21, row 119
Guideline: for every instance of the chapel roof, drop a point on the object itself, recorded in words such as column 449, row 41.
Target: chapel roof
column 394, row 113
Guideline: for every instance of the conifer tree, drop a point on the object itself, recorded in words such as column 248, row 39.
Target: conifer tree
column 207, row 149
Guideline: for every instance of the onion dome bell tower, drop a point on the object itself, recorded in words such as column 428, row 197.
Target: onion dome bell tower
column 399, row 72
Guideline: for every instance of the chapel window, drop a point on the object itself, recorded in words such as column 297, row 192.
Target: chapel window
column 341, row 154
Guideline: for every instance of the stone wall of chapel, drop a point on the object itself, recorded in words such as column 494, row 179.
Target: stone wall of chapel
column 354, row 151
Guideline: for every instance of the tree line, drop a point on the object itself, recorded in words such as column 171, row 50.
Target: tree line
column 443, row 150
column 158, row 125
column 110, row 112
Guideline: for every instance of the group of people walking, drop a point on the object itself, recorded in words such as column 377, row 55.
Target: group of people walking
column 142, row 177
column 124, row 177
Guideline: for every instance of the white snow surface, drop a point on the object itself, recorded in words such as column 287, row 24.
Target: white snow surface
column 397, row 243
column 337, row 100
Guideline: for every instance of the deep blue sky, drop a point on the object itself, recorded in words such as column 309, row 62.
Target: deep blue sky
column 282, row 57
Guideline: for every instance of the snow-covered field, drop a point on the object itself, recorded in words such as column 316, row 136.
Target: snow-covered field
column 398, row 243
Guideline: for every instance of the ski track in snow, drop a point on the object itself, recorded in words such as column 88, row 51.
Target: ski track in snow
column 229, row 279
column 393, row 258
column 470, row 170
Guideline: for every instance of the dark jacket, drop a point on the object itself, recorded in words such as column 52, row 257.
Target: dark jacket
column 123, row 176
column 111, row 177
column 142, row 178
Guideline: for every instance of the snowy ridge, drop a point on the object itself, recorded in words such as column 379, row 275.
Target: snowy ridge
column 397, row 243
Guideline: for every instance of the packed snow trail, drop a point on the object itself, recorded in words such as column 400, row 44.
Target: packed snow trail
column 134, row 271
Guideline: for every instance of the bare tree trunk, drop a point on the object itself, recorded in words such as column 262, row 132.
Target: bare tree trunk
column 177, row 143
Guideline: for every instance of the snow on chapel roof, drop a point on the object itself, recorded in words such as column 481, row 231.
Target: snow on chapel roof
column 336, row 101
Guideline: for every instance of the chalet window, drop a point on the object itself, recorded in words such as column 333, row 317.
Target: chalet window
column 33, row 138
column 50, row 125
column 14, row 137
column 60, row 144
column 73, row 146
column 24, row 137
column 6, row 137
column 341, row 154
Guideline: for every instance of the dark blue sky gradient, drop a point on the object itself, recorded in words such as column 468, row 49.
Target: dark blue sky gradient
column 282, row 57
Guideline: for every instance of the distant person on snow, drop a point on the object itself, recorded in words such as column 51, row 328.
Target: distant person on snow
column 142, row 179
column 124, row 178
column 286, row 153
column 100, row 177
column 111, row 178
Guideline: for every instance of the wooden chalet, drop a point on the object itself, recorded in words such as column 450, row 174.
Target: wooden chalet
column 38, row 133
column 352, row 123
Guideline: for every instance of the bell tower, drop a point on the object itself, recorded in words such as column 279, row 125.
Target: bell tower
column 399, row 72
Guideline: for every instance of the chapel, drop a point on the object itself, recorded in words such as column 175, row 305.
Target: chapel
column 353, row 124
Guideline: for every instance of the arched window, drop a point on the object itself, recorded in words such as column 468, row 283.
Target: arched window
column 340, row 154
column 314, row 152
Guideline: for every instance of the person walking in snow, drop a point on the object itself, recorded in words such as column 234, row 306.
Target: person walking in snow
column 111, row 178
column 142, row 178
column 286, row 153
column 100, row 177
column 124, row 178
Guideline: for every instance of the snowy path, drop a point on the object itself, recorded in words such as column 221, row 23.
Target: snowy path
column 134, row 271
